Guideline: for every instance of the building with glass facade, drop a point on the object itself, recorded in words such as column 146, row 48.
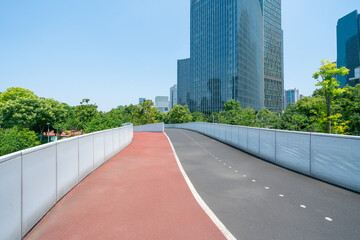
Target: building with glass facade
column 226, row 55
column 173, row 96
column 273, row 55
column 162, row 103
column 291, row 97
column 348, row 46
column 184, row 83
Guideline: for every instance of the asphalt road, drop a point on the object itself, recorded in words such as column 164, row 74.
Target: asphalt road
column 258, row 200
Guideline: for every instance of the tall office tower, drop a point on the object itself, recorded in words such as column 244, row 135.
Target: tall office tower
column 273, row 55
column 184, row 85
column 226, row 54
column 291, row 97
column 173, row 96
column 348, row 46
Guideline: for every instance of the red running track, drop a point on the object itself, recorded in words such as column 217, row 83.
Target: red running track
column 138, row 194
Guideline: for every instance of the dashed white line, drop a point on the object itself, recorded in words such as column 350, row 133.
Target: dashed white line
column 267, row 188
column 224, row 164
column 216, row 158
column 230, row 167
column 244, row 175
column 281, row 195
column 328, row 219
column 220, row 160
column 302, row 206
column 236, row 171
column 253, row 180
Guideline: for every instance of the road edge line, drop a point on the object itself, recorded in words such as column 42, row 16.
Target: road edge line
column 198, row 198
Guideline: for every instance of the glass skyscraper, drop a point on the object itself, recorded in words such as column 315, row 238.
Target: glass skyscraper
column 184, row 84
column 348, row 46
column 273, row 55
column 226, row 55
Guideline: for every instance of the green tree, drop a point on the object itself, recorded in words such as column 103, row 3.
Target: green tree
column 231, row 114
column 198, row 117
column 16, row 139
column 179, row 114
column 147, row 113
column 266, row 119
column 326, row 77
column 84, row 113
column 31, row 113
column 294, row 121
column 14, row 93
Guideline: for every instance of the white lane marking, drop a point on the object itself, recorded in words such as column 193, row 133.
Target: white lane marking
column 224, row 164
column 236, row 171
column 281, row 195
column 302, row 206
column 253, row 180
column 220, row 160
column 200, row 201
column 216, row 158
column 267, row 188
column 230, row 167
column 244, row 175
column 328, row 219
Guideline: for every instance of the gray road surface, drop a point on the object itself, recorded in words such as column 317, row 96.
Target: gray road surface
column 258, row 200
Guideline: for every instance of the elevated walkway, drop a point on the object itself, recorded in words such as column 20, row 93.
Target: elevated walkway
column 138, row 194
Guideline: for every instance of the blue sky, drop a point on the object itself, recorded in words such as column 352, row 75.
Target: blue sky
column 115, row 51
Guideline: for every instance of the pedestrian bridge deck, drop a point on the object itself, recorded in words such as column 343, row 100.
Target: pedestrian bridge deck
column 138, row 194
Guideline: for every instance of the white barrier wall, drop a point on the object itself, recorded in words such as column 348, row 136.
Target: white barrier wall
column 155, row 127
column 33, row 180
column 332, row 158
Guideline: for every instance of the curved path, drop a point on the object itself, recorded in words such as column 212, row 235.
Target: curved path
column 257, row 200
column 139, row 194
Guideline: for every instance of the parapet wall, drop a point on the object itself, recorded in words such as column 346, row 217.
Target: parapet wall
column 332, row 158
column 32, row 181
column 155, row 127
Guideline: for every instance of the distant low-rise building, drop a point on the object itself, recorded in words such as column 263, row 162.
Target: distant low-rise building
column 356, row 78
column 173, row 96
column 162, row 103
column 291, row 97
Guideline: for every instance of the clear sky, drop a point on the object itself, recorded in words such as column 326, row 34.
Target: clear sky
column 115, row 51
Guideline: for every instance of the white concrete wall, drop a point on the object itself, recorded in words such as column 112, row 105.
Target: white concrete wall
column 33, row 180
column 332, row 158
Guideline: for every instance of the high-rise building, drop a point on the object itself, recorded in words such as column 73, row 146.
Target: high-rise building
column 226, row 54
column 173, row 96
column 348, row 46
column 291, row 97
column 273, row 55
column 162, row 103
column 184, row 83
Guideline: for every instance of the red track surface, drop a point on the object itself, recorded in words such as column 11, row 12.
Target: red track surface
column 139, row 194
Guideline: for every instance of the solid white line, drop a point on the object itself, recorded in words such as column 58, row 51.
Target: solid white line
column 200, row 201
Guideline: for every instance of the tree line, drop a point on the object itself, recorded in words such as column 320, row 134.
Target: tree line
column 24, row 116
